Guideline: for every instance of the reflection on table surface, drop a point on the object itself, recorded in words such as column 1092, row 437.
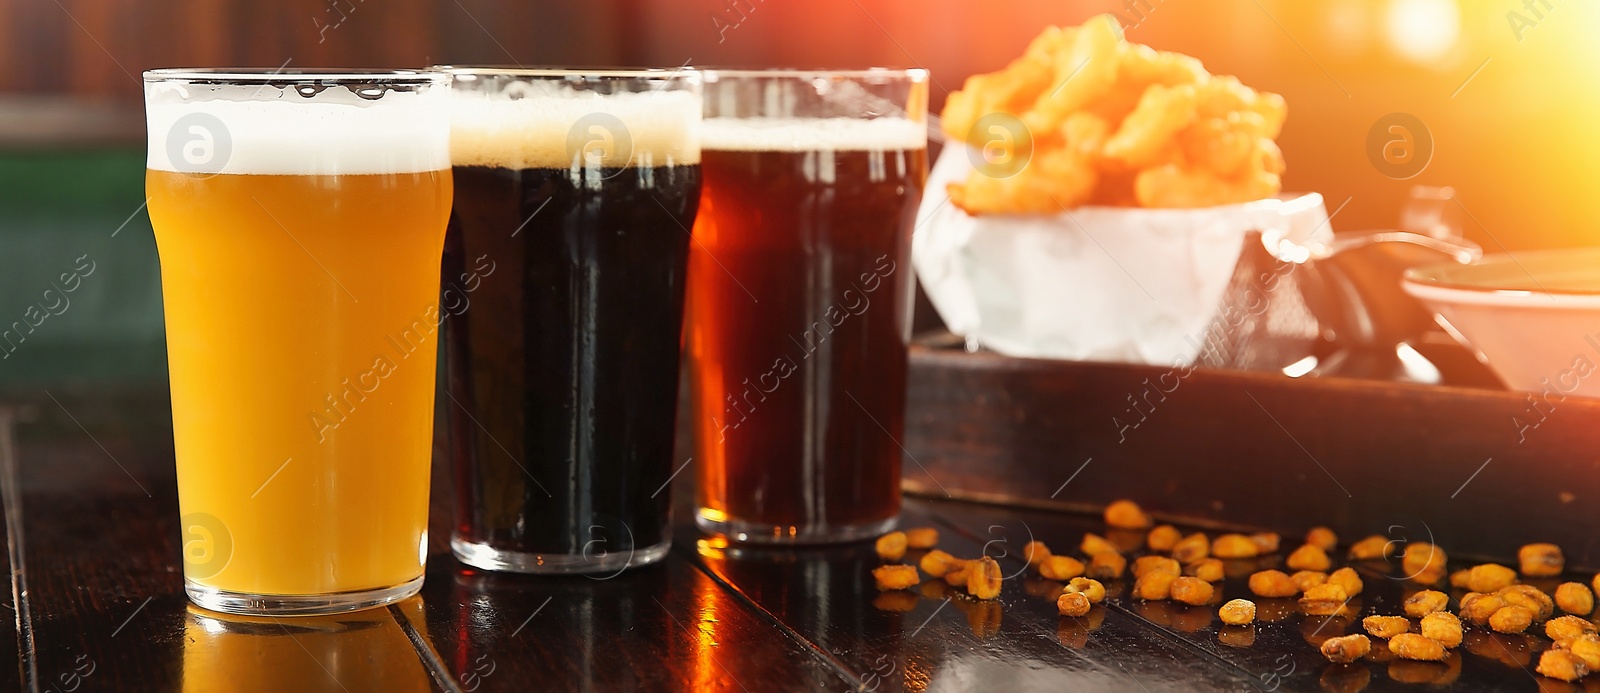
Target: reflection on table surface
column 364, row 650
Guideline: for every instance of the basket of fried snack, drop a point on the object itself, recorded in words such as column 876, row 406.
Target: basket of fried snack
column 1093, row 201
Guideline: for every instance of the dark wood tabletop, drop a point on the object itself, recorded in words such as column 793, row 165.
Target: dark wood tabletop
column 91, row 522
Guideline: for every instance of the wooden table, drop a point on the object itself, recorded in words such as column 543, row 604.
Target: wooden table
column 91, row 519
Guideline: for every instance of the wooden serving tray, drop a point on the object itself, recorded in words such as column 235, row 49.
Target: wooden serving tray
column 1477, row 471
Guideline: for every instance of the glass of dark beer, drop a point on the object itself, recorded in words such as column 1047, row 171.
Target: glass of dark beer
column 564, row 273
column 800, row 290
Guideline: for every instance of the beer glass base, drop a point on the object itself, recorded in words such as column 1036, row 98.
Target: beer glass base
column 489, row 558
column 296, row 604
column 754, row 533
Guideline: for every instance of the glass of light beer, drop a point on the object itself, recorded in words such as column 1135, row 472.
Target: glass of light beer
column 575, row 193
column 300, row 219
column 800, row 294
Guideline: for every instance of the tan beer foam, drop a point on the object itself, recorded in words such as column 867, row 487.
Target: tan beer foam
column 533, row 125
column 270, row 130
column 811, row 134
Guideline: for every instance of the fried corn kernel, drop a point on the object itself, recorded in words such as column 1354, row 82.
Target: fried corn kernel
column 1146, row 564
column 1208, row 569
column 1426, row 602
column 1371, row 548
column 1324, row 600
column 1272, row 583
column 1562, row 665
column 1346, row 649
column 1072, row 604
column 1266, row 542
column 1417, row 647
column 1442, row 627
column 1424, row 563
column 1348, row 579
column 1322, row 538
column 922, row 537
column 1511, row 619
column 1478, row 607
column 1126, row 514
column 1595, row 583
column 1488, row 577
column 896, row 576
column 1530, row 598
column 1307, row 579
column 1575, row 598
column 1541, row 560
column 1585, row 647
column 1568, row 627
column 936, row 563
column 1094, row 545
column 1386, row 626
column 1107, row 565
column 1461, row 578
column 1192, row 548
column 983, row 578
column 892, row 546
column 1309, row 557
column 1163, row 538
column 1236, row 546
column 1034, row 552
column 1237, row 612
column 1154, row 586
column 1090, row 588
column 1192, row 590
column 1061, row 568
column 955, row 573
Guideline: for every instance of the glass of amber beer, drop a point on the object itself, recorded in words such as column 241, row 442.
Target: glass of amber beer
column 800, row 290
column 575, row 193
column 300, row 218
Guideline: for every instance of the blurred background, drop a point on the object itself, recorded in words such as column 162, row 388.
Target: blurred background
column 1508, row 92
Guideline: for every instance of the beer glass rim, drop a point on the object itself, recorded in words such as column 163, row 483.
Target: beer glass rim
column 911, row 74
column 600, row 72
column 260, row 75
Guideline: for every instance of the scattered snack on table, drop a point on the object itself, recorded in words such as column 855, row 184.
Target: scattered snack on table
column 936, row 563
column 1346, row 649
column 896, row 576
column 1237, row 612
column 1309, row 557
column 1208, row 569
column 1192, row 548
column 1442, row 627
column 983, row 578
column 1488, row 577
column 1094, row 545
column 1511, row 619
column 922, row 537
column 1192, row 590
column 1586, row 647
column 1574, row 598
column 1146, row 564
column 1272, row 583
column 1324, row 600
column 1113, row 122
column 1163, row 538
column 955, row 573
column 1371, row 548
column 1034, row 552
column 1107, row 564
column 1529, row 597
column 1424, row 563
column 1237, row 546
column 1322, row 538
column 1478, row 607
column 1126, row 514
column 1090, row 588
column 1072, row 604
column 892, row 546
column 1154, row 585
column 1347, row 578
column 1386, row 627
column 1569, row 627
column 1562, row 665
column 1541, row 560
column 1307, row 579
column 1417, row 647
column 1266, row 542
column 1426, row 602
column 1060, row 568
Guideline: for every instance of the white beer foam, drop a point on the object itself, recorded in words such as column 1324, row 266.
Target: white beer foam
column 538, row 125
column 270, row 130
column 811, row 134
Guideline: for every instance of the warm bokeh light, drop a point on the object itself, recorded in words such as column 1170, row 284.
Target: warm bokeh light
column 1422, row 30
